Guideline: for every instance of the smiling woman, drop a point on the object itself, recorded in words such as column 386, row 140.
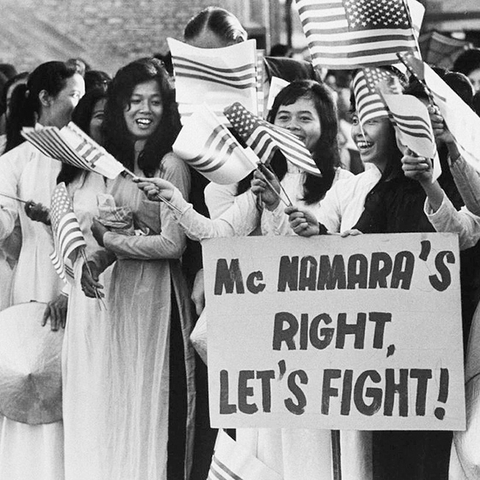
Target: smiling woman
column 379, row 200
column 143, row 113
column 48, row 98
column 147, row 361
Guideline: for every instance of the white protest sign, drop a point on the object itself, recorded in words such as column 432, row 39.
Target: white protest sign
column 359, row 333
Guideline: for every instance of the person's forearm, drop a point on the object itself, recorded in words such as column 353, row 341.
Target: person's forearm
column 453, row 151
column 434, row 194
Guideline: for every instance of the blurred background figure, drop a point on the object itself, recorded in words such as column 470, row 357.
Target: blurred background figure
column 96, row 79
column 80, row 65
column 5, row 100
column 8, row 70
column 281, row 50
column 468, row 63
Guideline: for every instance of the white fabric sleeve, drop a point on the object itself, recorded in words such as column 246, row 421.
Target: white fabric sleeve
column 467, row 180
column 219, row 198
column 275, row 222
column 448, row 219
column 239, row 220
column 9, row 179
column 330, row 212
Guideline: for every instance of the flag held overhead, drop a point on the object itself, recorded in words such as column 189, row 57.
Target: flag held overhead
column 349, row 34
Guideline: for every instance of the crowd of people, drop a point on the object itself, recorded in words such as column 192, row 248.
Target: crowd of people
column 135, row 396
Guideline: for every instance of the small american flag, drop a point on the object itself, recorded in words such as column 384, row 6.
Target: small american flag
column 209, row 147
column 264, row 138
column 369, row 104
column 73, row 146
column 67, row 234
column 412, row 122
column 216, row 76
column 348, row 34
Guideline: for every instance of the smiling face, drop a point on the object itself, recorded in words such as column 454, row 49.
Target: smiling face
column 374, row 140
column 301, row 118
column 144, row 112
column 59, row 109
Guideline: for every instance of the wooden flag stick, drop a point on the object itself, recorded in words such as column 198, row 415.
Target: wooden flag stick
column 13, row 198
column 170, row 204
column 336, row 455
column 163, row 199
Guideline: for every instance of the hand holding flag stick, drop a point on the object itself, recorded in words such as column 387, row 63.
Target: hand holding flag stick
column 265, row 174
column 157, row 189
column 96, row 287
column 158, row 196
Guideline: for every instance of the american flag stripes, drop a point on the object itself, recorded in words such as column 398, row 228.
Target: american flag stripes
column 67, row 234
column 240, row 77
column 217, row 76
column 368, row 102
column 412, row 122
column 348, row 34
column 209, row 147
column 232, row 462
column 264, row 138
column 73, row 146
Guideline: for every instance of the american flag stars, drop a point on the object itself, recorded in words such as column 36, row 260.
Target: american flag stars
column 370, row 14
column 61, row 205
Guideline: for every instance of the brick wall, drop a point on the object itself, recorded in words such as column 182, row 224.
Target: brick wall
column 107, row 33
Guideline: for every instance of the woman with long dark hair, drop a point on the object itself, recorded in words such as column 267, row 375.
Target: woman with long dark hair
column 307, row 110
column 147, row 362
column 380, row 200
column 47, row 99
column 83, row 396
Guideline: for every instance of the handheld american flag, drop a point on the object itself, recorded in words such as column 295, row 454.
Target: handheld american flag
column 413, row 128
column 264, row 138
column 348, row 34
column 216, row 76
column 208, row 146
column 68, row 237
column 411, row 120
column 73, row 146
column 369, row 104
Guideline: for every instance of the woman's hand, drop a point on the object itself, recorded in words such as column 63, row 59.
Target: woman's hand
column 57, row 312
column 98, row 231
column 154, row 188
column 417, row 168
column 302, row 222
column 442, row 133
column 91, row 287
column 37, row 212
column 353, row 232
column 440, row 130
column 266, row 186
